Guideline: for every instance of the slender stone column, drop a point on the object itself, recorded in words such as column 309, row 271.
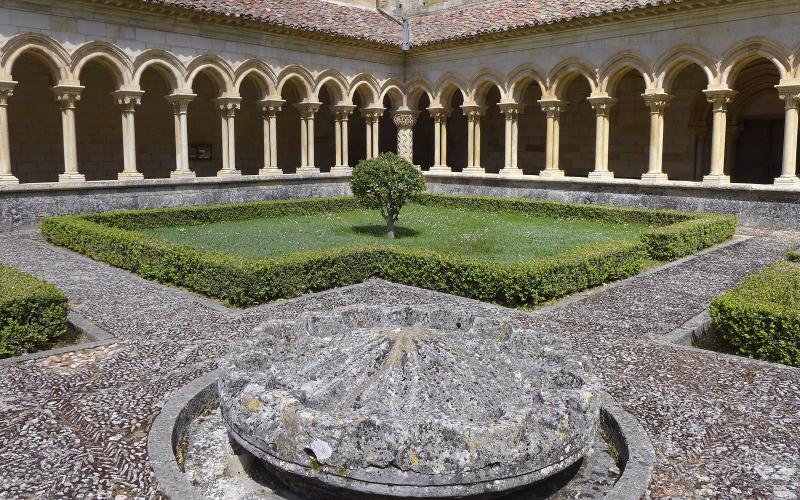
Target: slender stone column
column 552, row 109
column 602, row 105
column 372, row 118
column 227, row 107
column 68, row 97
column 269, row 112
column 474, row 112
column 307, row 111
column 180, row 105
column 6, row 91
column 720, row 98
column 791, row 98
column 440, row 115
column 405, row 120
column 511, row 110
column 127, row 100
column 342, row 115
column 658, row 103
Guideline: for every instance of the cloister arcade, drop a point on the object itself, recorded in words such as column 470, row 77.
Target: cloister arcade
column 95, row 114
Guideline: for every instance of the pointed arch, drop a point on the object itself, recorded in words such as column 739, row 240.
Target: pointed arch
column 261, row 74
column 336, row 82
column 298, row 76
column 746, row 51
column 480, row 84
column 618, row 65
column 446, row 86
column 415, row 89
column 215, row 67
column 671, row 63
column 107, row 54
column 395, row 90
column 362, row 81
column 46, row 49
column 166, row 63
column 521, row 77
column 564, row 72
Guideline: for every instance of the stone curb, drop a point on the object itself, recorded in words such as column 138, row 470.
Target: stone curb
column 628, row 436
column 96, row 335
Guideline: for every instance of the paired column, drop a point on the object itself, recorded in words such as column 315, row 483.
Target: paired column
column 127, row 100
column 68, row 96
column 227, row 107
column 552, row 109
column 658, row 103
column 511, row 110
column 721, row 99
column 341, row 128
column 307, row 111
column 405, row 120
column 6, row 91
column 372, row 118
column 180, row 106
column 473, row 112
column 601, row 104
column 269, row 113
column 440, row 116
column 791, row 99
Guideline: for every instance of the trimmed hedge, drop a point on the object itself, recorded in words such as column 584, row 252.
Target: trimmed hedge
column 761, row 317
column 33, row 312
column 111, row 238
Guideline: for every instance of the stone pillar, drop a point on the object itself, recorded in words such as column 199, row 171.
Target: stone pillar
column 658, row 103
column 474, row 112
column 511, row 110
column 127, row 100
column 68, row 97
column 180, row 106
column 601, row 104
column 269, row 112
column 372, row 117
column 227, row 107
column 440, row 115
column 6, row 91
column 405, row 120
column 791, row 98
column 552, row 108
column 341, row 115
column 720, row 98
column 307, row 111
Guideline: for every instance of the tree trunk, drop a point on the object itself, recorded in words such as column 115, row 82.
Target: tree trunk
column 390, row 227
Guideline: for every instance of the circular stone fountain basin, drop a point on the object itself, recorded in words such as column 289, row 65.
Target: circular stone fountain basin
column 408, row 402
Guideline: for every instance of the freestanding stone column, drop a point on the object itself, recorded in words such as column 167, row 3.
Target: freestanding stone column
column 720, row 98
column 405, row 120
column 791, row 98
column 180, row 106
column 342, row 117
column 372, row 117
column 269, row 109
column 552, row 108
column 68, row 96
column 6, row 91
column 657, row 103
column 307, row 111
column 602, row 105
column 511, row 110
column 127, row 100
column 473, row 112
column 227, row 107
column 439, row 115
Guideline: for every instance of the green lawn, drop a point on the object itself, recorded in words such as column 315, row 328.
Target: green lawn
column 484, row 235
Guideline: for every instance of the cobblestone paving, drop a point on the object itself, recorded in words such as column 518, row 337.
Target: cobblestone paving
column 75, row 425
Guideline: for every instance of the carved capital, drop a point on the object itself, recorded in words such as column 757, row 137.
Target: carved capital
column 67, row 96
column 270, row 106
column 439, row 114
column 473, row 112
column 372, row 115
column 180, row 102
column 128, row 99
column 720, row 98
column 342, row 112
column 405, row 119
column 790, row 95
column 657, row 102
column 511, row 110
column 227, row 106
column 6, row 91
column 553, row 107
column 602, row 104
column 307, row 109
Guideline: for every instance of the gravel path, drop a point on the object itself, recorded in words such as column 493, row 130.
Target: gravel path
column 75, row 425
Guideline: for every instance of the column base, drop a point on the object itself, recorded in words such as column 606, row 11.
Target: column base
column 474, row 171
column 551, row 173
column 8, row 179
column 716, row 179
column 789, row 180
column 182, row 174
column 229, row 172
column 308, row 169
column 440, row 168
column 130, row 176
column 511, row 172
column 341, row 169
column 601, row 174
column 270, row 172
column 654, row 177
column 71, row 177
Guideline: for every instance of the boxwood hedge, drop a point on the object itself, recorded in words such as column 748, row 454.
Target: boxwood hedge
column 761, row 317
column 112, row 238
column 33, row 312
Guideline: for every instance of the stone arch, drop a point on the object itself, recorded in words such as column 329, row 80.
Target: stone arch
column 746, row 51
column 368, row 82
column 109, row 55
column 669, row 65
column 299, row 77
column 482, row 83
column 563, row 73
column 216, row 68
column 446, row 86
column 796, row 60
column 259, row 72
column 393, row 89
column 416, row 89
column 616, row 67
column 521, row 77
column 47, row 50
column 336, row 84
column 168, row 66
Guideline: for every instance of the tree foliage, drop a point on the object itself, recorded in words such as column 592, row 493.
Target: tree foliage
column 386, row 183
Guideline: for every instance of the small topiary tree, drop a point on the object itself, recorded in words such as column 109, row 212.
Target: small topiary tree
column 386, row 183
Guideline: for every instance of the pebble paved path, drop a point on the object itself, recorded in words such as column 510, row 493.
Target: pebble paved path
column 75, row 425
